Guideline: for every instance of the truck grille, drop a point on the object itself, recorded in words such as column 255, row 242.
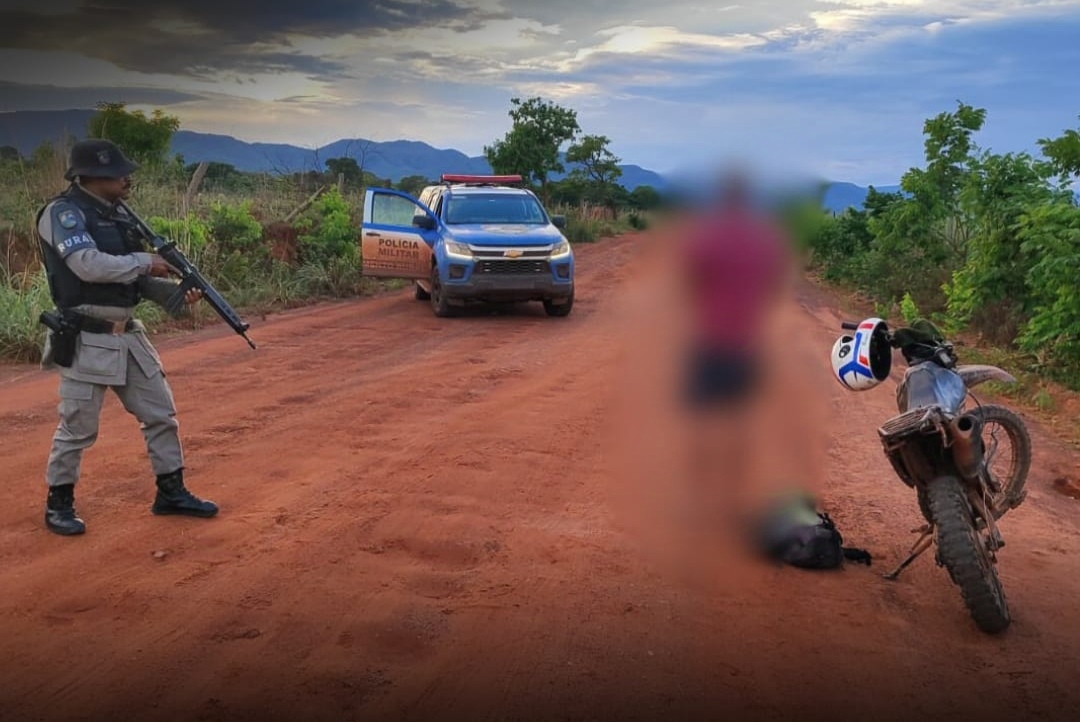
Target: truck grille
column 513, row 268
column 500, row 253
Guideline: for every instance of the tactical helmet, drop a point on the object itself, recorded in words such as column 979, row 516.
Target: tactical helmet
column 863, row 361
column 98, row 158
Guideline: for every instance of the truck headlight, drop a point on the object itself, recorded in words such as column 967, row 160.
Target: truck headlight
column 461, row 250
column 562, row 248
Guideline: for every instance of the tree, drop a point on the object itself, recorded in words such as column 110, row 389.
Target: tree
column 597, row 167
column 922, row 239
column 413, row 184
column 531, row 147
column 1063, row 152
column 223, row 176
column 373, row 181
column 360, row 149
column 645, row 198
column 568, row 191
column 989, row 291
column 9, row 152
column 950, row 153
column 1050, row 235
column 145, row 140
column 597, row 164
column 347, row 167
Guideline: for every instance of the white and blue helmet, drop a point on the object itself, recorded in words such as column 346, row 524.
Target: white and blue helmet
column 863, row 361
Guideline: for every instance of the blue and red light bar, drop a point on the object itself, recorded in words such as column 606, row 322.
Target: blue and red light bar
column 480, row 179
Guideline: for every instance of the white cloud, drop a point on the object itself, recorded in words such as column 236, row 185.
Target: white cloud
column 662, row 41
column 856, row 15
column 824, row 82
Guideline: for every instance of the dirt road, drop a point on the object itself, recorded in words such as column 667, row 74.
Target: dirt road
column 416, row 525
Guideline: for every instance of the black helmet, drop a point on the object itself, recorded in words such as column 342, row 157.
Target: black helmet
column 98, row 158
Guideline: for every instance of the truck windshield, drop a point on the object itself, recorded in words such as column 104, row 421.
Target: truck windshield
column 494, row 208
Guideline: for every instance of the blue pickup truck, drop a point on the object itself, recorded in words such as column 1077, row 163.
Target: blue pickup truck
column 470, row 238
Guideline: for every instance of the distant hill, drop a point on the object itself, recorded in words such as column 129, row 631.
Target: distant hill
column 841, row 196
column 396, row 159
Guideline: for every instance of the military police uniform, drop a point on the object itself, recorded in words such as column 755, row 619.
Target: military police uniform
column 97, row 273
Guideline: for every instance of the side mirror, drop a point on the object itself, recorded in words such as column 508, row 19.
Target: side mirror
column 425, row 221
column 558, row 221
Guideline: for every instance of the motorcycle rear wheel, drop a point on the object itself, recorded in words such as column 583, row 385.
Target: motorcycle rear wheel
column 1012, row 474
column 963, row 552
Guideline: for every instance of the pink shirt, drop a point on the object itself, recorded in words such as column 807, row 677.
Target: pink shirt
column 736, row 261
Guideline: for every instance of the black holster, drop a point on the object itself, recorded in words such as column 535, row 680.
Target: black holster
column 64, row 332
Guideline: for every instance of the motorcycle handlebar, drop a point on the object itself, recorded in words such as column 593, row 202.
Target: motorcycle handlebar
column 852, row 326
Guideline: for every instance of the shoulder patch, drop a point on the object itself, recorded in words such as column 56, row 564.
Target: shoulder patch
column 68, row 219
column 66, row 246
column 66, row 215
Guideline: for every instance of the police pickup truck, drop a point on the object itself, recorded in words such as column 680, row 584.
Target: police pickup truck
column 470, row 238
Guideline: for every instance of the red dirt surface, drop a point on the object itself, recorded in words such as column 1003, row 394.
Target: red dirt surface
column 425, row 519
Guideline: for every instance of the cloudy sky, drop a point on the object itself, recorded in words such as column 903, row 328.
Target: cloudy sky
column 839, row 88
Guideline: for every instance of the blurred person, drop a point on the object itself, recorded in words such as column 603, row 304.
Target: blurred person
column 97, row 274
column 717, row 411
column 737, row 269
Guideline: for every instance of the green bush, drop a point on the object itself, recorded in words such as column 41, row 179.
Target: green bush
column 191, row 233
column 331, row 234
column 579, row 230
column 909, row 310
column 1051, row 234
column 237, row 251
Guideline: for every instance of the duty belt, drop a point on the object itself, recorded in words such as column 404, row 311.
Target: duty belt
column 97, row 325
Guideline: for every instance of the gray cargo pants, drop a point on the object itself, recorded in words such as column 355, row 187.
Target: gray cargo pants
column 129, row 365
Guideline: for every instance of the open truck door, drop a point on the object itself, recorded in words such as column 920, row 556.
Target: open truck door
column 397, row 235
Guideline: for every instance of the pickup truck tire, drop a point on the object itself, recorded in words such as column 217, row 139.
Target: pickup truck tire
column 420, row 293
column 439, row 305
column 561, row 310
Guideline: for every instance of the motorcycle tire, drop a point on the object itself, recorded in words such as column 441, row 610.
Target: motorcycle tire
column 963, row 552
column 924, row 504
column 1012, row 488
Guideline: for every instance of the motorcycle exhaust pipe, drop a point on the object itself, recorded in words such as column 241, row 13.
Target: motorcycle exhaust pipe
column 966, row 445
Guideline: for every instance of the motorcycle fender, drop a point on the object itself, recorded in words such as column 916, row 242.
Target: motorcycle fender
column 975, row 374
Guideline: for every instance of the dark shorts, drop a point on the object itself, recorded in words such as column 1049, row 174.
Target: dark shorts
column 720, row 378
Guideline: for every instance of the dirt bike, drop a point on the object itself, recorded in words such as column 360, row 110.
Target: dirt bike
column 949, row 454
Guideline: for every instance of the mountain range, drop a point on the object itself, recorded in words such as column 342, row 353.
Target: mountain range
column 26, row 130
column 396, row 159
column 839, row 196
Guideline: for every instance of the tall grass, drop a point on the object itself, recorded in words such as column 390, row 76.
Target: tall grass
column 236, row 237
column 23, row 297
column 586, row 223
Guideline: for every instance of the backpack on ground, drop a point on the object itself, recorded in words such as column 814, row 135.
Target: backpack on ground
column 796, row 533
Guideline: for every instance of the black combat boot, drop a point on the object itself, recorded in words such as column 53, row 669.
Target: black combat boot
column 174, row 498
column 60, row 511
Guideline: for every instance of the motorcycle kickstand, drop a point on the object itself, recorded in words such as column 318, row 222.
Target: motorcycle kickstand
column 924, row 543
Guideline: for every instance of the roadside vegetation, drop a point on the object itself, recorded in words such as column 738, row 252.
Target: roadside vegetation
column 984, row 243
column 275, row 240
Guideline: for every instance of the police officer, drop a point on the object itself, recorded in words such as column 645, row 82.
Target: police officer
column 98, row 273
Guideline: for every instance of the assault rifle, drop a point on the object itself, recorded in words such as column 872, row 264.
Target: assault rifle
column 190, row 277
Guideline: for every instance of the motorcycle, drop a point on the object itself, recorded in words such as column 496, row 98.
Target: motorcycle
column 947, row 452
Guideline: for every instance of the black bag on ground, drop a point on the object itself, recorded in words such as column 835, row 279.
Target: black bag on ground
column 796, row 533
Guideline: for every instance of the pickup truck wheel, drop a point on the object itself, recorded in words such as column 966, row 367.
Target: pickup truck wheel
column 439, row 305
column 420, row 293
column 560, row 310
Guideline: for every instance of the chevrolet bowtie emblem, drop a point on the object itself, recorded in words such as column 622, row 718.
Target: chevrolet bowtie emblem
column 513, row 253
